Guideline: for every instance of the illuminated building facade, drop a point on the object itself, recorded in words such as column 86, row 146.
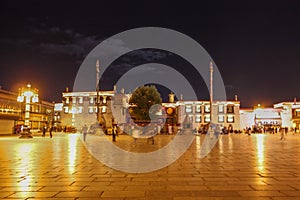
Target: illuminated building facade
column 290, row 114
column 12, row 113
column 81, row 108
column 225, row 113
column 197, row 113
column 262, row 119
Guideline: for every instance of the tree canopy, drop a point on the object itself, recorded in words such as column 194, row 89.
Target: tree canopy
column 141, row 101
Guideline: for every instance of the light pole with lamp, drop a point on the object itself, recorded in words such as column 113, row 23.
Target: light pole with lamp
column 27, row 95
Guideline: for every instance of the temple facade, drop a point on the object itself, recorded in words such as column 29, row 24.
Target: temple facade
column 102, row 107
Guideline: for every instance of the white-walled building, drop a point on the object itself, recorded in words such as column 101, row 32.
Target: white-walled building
column 247, row 118
column 261, row 118
column 290, row 114
column 81, row 108
column 225, row 113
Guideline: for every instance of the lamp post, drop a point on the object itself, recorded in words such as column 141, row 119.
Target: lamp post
column 27, row 95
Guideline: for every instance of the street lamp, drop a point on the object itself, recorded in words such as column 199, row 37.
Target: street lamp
column 27, row 95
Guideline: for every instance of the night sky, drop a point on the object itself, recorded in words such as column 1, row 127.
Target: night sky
column 256, row 46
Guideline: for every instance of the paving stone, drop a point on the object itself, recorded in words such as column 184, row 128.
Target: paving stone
column 4, row 194
column 20, row 189
column 291, row 193
column 124, row 193
column 86, row 194
column 272, row 187
column 101, row 198
column 230, row 187
column 222, row 198
column 52, row 198
column 217, row 193
column 104, row 188
column 269, row 193
column 33, row 195
column 60, row 189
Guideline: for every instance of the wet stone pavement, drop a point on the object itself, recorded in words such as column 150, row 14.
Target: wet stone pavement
column 239, row 167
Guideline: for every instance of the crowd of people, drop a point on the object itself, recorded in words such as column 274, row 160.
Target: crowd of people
column 269, row 129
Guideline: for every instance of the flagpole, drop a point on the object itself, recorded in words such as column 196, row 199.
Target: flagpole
column 97, row 87
column 211, row 69
column 210, row 130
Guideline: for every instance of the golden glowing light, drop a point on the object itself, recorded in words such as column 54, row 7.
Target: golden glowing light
column 72, row 153
column 29, row 95
column 260, row 151
column 24, row 152
column 230, row 143
column 220, row 142
column 198, row 145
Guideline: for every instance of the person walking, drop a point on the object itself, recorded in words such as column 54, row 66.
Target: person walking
column 84, row 131
column 282, row 131
column 114, row 133
column 44, row 131
column 50, row 131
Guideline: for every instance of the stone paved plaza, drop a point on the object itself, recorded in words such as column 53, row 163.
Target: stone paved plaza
column 239, row 167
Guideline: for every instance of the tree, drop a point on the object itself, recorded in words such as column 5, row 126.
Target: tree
column 141, row 101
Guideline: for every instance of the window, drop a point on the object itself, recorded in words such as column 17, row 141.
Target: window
column 188, row 108
column 91, row 100
column 207, row 108
column 66, row 109
column 198, row 118
column 198, row 108
column 230, row 109
column 191, row 119
column 296, row 113
column 91, row 109
column 230, row 118
column 80, row 100
column 79, row 110
column 73, row 110
column 103, row 109
column 206, row 118
column 67, row 100
column 221, row 118
column 73, row 99
column 104, row 100
column 221, row 108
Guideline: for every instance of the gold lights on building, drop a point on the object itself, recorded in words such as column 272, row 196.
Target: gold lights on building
column 27, row 95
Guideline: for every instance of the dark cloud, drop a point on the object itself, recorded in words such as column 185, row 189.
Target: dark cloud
column 79, row 47
column 15, row 42
column 150, row 55
column 55, row 41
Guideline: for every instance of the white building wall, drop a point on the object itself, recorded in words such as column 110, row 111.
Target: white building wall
column 215, row 113
column 246, row 119
column 286, row 113
column 86, row 111
column 286, row 116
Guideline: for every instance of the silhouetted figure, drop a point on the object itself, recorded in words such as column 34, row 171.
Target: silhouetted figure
column 44, row 131
column 150, row 139
column 114, row 133
column 84, row 132
column 50, row 131
column 282, row 131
